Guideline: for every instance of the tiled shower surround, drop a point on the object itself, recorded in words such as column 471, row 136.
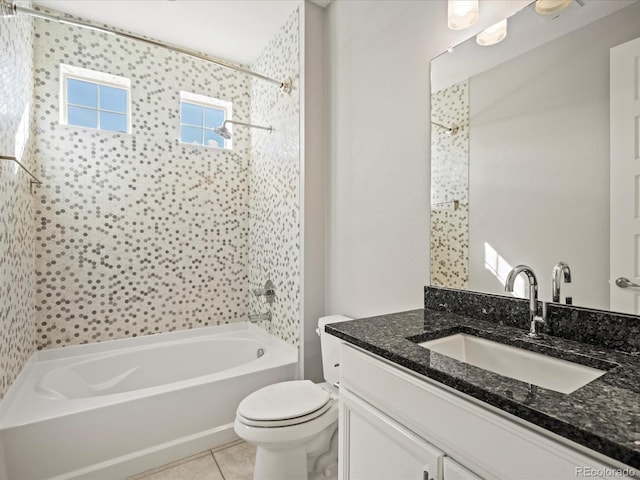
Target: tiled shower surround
column 17, row 333
column 274, row 213
column 450, row 187
column 139, row 234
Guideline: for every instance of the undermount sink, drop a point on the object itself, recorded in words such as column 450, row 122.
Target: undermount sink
column 530, row 367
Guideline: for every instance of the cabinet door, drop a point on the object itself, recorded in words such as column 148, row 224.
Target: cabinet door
column 374, row 447
column 454, row 471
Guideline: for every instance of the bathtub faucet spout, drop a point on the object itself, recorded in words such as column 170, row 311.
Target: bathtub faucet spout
column 260, row 317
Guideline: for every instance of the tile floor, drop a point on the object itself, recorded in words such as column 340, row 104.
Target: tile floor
column 233, row 461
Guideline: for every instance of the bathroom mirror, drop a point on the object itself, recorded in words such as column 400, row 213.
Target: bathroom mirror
column 521, row 170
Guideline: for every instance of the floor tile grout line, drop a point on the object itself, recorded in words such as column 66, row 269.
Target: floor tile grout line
column 227, row 446
column 218, row 465
column 195, row 456
column 177, row 463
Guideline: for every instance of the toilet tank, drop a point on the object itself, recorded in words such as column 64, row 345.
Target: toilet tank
column 330, row 348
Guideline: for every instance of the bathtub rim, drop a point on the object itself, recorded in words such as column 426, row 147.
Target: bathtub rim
column 151, row 339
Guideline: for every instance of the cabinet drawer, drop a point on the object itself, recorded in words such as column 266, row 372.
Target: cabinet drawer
column 489, row 444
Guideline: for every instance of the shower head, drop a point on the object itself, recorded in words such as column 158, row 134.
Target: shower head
column 224, row 132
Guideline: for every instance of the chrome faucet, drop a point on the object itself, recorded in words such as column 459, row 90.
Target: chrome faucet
column 268, row 295
column 534, row 318
column 560, row 272
column 268, row 292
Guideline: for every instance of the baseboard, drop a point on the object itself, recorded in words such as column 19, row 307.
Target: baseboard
column 158, row 455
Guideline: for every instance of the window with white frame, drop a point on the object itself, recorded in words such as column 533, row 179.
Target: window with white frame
column 199, row 116
column 94, row 99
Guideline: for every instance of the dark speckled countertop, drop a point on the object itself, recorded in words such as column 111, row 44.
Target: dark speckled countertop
column 604, row 415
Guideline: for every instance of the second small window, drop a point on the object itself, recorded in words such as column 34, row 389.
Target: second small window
column 199, row 116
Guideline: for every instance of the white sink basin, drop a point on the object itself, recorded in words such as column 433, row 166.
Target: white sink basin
column 530, row 367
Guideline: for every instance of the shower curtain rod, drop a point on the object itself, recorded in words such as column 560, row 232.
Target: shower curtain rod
column 33, row 180
column 452, row 129
column 8, row 9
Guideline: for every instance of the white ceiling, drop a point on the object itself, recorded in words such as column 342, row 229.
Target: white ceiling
column 236, row 30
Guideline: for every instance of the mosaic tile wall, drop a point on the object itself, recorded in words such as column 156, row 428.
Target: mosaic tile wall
column 136, row 234
column 17, row 340
column 450, row 187
column 275, row 184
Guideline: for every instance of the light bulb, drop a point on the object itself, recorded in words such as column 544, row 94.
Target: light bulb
column 462, row 13
column 551, row 7
column 492, row 35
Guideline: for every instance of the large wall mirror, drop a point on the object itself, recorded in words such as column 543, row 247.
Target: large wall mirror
column 535, row 152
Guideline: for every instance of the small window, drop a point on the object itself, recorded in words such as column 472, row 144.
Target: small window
column 199, row 116
column 94, row 99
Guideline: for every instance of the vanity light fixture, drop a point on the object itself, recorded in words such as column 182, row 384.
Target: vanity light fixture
column 551, row 7
column 462, row 13
column 492, row 35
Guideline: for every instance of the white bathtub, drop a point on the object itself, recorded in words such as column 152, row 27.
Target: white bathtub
column 108, row 410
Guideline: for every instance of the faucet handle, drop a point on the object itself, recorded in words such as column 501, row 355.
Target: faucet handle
column 268, row 292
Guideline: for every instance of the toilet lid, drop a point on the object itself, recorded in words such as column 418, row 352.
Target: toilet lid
column 285, row 401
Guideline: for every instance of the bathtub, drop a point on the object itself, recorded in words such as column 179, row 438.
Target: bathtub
column 112, row 409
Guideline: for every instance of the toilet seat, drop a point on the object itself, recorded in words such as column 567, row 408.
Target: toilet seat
column 290, row 435
column 284, row 404
column 285, row 422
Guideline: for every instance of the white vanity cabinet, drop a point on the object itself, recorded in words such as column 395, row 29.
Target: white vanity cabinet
column 396, row 425
column 374, row 447
column 452, row 470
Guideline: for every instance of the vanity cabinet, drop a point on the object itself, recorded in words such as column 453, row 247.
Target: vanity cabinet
column 395, row 425
column 452, row 470
column 376, row 447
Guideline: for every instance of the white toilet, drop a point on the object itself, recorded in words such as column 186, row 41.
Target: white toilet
column 294, row 425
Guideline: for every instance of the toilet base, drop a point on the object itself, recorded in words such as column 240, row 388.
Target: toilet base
column 290, row 464
column 313, row 458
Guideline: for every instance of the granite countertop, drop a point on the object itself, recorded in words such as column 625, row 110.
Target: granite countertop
column 604, row 415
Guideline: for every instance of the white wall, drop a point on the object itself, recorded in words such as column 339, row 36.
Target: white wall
column 313, row 192
column 377, row 226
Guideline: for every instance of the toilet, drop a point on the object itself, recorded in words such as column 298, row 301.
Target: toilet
column 294, row 425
